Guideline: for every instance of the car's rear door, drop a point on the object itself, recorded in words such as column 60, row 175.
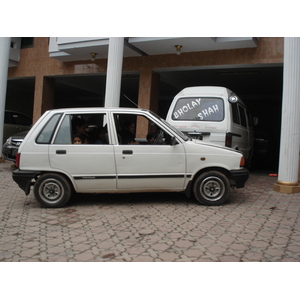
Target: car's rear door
column 91, row 166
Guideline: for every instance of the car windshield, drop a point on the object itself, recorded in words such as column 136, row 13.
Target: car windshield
column 178, row 132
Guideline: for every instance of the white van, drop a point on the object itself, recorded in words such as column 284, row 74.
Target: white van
column 213, row 114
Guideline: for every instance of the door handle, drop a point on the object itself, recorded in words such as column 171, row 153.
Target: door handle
column 127, row 152
column 61, row 152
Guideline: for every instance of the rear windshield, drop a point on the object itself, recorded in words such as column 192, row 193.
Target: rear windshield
column 201, row 109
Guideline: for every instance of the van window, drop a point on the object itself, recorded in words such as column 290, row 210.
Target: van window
column 243, row 116
column 235, row 113
column 250, row 120
column 201, row 109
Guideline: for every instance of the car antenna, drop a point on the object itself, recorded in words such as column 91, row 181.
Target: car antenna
column 131, row 100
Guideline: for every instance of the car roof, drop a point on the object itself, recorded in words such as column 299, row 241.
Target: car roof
column 96, row 109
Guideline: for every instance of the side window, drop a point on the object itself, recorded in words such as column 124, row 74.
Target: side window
column 47, row 132
column 250, row 120
column 243, row 116
column 138, row 130
column 88, row 129
column 64, row 133
column 235, row 113
column 20, row 119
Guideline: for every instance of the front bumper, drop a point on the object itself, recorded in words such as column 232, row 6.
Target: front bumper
column 24, row 178
column 9, row 152
column 240, row 177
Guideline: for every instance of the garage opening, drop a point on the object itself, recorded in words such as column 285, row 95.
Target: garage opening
column 89, row 91
column 259, row 87
column 20, row 95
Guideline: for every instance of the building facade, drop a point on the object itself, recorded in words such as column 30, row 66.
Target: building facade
column 45, row 65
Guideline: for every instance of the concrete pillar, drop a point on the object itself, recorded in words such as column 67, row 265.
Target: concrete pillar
column 290, row 125
column 148, row 97
column 43, row 96
column 148, row 90
column 4, row 62
column 114, row 72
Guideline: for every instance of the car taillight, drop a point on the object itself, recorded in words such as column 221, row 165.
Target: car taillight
column 228, row 140
column 243, row 162
column 18, row 156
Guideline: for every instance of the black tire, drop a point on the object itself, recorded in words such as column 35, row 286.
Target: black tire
column 52, row 190
column 211, row 188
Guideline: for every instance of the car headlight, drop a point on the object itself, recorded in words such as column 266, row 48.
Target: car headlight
column 8, row 141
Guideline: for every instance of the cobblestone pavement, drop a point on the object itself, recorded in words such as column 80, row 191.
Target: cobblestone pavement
column 257, row 224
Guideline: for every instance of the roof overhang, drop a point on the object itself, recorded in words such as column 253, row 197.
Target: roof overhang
column 80, row 48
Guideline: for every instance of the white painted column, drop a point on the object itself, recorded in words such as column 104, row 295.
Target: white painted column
column 114, row 72
column 4, row 60
column 290, row 124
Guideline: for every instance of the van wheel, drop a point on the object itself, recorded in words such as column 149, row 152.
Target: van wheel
column 211, row 188
column 52, row 190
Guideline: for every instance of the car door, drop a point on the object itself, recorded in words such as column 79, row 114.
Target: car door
column 91, row 166
column 144, row 166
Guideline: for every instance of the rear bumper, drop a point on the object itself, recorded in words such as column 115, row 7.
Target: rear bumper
column 24, row 178
column 240, row 177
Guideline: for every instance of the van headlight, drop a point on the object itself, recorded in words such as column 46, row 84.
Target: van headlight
column 233, row 98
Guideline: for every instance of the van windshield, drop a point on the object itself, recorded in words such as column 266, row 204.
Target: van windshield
column 180, row 133
column 199, row 108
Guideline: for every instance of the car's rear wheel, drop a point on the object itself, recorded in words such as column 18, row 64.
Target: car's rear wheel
column 211, row 188
column 52, row 190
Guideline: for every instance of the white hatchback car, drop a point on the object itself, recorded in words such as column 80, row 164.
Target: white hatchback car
column 119, row 150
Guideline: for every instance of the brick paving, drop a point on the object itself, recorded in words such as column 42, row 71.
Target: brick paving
column 256, row 225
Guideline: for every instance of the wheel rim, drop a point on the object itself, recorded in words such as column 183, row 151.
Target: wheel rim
column 212, row 188
column 51, row 190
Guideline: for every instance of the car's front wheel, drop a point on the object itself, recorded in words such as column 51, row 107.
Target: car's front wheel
column 52, row 190
column 211, row 188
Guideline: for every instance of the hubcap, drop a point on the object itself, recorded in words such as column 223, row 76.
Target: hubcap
column 212, row 188
column 51, row 190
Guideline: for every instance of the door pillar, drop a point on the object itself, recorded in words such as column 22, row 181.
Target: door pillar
column 4, row 63
column 290, row 134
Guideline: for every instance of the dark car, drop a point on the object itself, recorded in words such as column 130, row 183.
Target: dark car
column 15, row 122
column 265, row 149
column 11, row 146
